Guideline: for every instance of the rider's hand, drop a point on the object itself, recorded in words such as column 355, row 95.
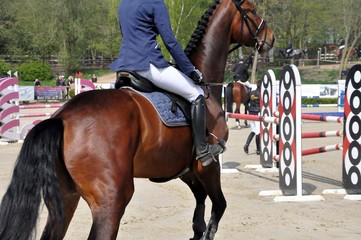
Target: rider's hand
column 196, row 76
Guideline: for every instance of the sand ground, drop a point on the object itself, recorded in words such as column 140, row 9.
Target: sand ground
column 164, row 211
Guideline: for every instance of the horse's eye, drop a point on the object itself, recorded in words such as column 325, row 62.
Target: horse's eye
column 254, row 12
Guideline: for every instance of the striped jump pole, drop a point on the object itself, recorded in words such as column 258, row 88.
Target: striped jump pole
column 313, row 117
column 351, row 173
column 328, row 148
column 323, row 134
column 37, row 106
column 290, row 164
column 267, row 129
column 9, row 92
column 29, row 115
column 253, row 117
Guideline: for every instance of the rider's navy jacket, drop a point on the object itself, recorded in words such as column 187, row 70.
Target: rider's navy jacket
column 140, row 23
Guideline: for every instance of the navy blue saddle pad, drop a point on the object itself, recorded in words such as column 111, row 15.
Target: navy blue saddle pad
column 163, row 105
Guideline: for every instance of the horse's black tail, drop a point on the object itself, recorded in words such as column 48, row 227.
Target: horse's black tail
column 229, row 98
column 34, row 176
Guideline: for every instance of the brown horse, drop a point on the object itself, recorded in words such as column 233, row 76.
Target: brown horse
column 100, row 140
column 352, row 51
column 236, row 93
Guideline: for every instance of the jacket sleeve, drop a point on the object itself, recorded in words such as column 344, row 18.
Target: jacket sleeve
column 163, row 25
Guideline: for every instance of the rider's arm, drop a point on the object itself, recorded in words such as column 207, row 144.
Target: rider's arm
column 163, row 25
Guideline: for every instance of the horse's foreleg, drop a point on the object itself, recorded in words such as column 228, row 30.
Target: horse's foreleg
column 210, row 179
column 199, row 225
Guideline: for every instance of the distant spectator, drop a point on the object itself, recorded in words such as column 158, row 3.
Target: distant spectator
column 94, row 78
column 70, row 80
column 60, row 81
column 37, row 82
column 68, row 87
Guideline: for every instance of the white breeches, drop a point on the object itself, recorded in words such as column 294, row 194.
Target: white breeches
column 173, row 80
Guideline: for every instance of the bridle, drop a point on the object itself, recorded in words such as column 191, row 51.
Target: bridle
column 251, row 25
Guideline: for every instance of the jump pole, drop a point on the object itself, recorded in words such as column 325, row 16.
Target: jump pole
column 351, row 153
column 10, row 114
column 267, row 122
column 290, row 144
column 37, row 106
column 351, row 173
column 267, row 128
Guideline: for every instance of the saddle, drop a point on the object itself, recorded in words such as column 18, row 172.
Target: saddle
column 142, row 84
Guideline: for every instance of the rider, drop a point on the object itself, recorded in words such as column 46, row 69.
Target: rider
column 240, row 73
column 252, row 104
column 341, row 45
column 140, row 23
column 289, row 49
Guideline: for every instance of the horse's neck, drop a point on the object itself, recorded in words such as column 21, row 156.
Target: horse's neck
column 211, row 55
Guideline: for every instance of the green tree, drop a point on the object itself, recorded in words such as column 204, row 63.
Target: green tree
column 351, row 20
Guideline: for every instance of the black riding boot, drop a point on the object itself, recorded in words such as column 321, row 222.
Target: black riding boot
column 249, row 139
column 205, row 152
column 258, row 145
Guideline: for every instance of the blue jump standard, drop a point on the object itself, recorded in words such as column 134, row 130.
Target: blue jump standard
column 331, row 114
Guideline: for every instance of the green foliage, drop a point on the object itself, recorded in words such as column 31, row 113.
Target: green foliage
column 71, row 30
column 30, row 71
column 4, row 67
column 71, row 93
column 319, row 101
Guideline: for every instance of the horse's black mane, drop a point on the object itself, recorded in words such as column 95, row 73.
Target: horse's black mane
column 198, row 33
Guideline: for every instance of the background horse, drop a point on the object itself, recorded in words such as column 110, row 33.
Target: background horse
column 236, row 93
column 100, row 140
column 295, row 54
column 354, row 52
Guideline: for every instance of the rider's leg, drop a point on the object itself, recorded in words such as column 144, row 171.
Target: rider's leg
column 248, row 141
column 247, row 84
column 173, row 80
column 258, row 145
column 205, row 152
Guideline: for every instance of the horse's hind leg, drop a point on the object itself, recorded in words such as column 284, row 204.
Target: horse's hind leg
column 108, row 206
column 70, row 204
column 70, row 200
column 199, row 225
column 237, row 110
column 245, row 112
